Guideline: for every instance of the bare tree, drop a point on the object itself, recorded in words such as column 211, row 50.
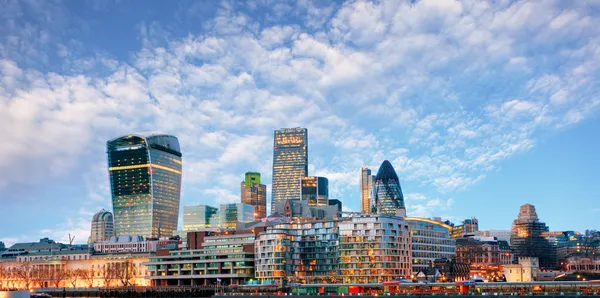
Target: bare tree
column 125, row 272
column 108, row 274
column 73, row 275
column 26, row 273
column 56, row 275
column 88, row 276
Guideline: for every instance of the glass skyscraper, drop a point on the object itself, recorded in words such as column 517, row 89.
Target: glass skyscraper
column 290, row 164
column 387, row 194
column 255, row 194
column 366, row 189
column 198, row 217
column 145, row 181
column 315, row 190
column 231, row 214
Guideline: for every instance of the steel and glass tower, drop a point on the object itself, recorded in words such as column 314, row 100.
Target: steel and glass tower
column 366, row 189
column 145, row 182
column 198, row 217
column 315, row 190
column 290, row 164
column 387, row 193
column 255, row 194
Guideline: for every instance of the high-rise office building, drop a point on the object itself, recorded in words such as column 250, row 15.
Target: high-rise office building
column 199, row 217
column 315, row 190
column 102, row 227
column 527, row 238
column 254, row 194
column 231, row 214
column 366, row 189
column 290, row 163
column 387, row 193
column 145, row 182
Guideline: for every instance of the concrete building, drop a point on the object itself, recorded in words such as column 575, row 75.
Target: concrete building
column 431, row 240
column 366, row 189
column 254, row 194
column 315, row 190
column 360, row 249
column 197, row 217
column 145, row 182
column 227, row 256
column 135, row 244
column 102, row 227
column 290, row 164
column 527, row 270
column 44, row 245
column 527, row 240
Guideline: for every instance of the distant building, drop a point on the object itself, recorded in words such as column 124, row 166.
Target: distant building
column 387, row 193
column 565, row 243
column 102, row 227
column 337, row 203
column 527, row 240
column 290, row 164
column 301, row 211
column 199, row 217
column 145, row 181
column 366, row 189
column 485, row 256
column 315, row 190
column 134, row 244
column 430, row 241
column 254, row 194
column 503, row 235
column 450, row 270
column 2, row 246
column 44, row 245
column 468, row 226
column 231, row 214
column 527, row 270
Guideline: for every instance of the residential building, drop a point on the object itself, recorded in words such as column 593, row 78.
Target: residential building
column 527, row 270
column 199, row 217
column 213, row 258
column 366, row 189
column 145, row 180
column 527, row 240
column 360, row 249
column 467, row 227
column 231, row 214
column 254, row 194
column 431, row 240
column 387, row 193
column 290, row 164
column 102, row 227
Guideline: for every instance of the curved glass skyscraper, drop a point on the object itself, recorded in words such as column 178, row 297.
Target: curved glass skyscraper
column 145, row 182
column 387, row 195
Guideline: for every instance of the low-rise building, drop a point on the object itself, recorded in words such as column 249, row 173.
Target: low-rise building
column 135, row 244
column 527, row 270
column 485, row 256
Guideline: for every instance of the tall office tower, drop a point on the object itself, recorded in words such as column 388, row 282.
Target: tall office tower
column 315, row 190
column 387, row 193
column 231, row 214
column 145, row 181
column 290, row 163
column 527, row 238
column 366, row 189
column 102, row 227
column 198, row 217
column 254, row 194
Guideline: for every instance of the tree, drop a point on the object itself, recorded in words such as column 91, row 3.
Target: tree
column 108, row 274
column 73, row 275
column 87, row 275
column 26, row 273
column 56, row 275
column 125, row 272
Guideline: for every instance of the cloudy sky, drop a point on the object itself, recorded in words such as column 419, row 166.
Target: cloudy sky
column 480, row 106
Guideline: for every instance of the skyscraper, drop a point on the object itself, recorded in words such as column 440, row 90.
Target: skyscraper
column 145, row 182
column 366, row 189
column 198, row 217
column 231, row 214
column 290, row 163
column 102, row 227
column 387, row 193
column 254, row 194
column 315, row 190
column 526, row 238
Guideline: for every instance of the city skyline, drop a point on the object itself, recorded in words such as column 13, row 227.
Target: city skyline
column 501, row 114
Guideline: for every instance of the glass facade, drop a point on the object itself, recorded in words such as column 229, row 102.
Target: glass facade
column 231, row 214
column 430, row 240
column 145, row 179
column 387, row 194
column 315, row 190
column 366, row 189
column 290, row 163
column 255, row 194
column 198, row 217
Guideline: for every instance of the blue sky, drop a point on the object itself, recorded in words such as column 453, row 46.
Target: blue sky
column 480, row 106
